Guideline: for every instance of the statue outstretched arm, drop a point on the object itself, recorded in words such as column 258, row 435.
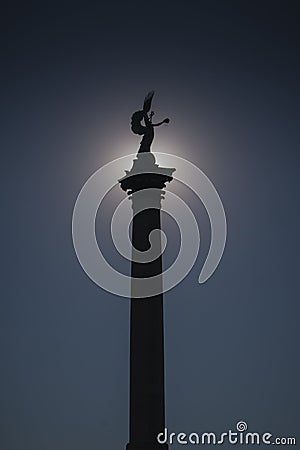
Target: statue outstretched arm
column 160, row 123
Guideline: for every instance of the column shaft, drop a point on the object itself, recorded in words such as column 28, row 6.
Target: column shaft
column 147, row 396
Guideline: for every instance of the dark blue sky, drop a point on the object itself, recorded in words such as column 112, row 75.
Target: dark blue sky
column 227, row 74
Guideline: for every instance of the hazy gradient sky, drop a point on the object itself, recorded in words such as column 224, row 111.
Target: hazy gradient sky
column 227, row 75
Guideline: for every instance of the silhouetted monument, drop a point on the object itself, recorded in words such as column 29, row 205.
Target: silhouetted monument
column 148, row 129
column 144, row 183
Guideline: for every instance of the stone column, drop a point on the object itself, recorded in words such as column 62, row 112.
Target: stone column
column 144, row 183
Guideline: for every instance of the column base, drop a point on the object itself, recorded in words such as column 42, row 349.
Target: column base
column 145, row 446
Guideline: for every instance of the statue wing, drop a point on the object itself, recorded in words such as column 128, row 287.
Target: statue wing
column 148, row 101
column 136, row 126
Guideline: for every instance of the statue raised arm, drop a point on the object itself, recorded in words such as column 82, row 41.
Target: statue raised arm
column 147, row 130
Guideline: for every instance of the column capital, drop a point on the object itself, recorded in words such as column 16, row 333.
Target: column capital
column 144, row 174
